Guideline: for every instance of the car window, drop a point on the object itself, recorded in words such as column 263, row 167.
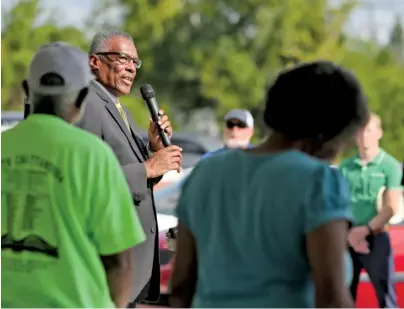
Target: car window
column 10, row 119
column 189, row 146
column 166, row 199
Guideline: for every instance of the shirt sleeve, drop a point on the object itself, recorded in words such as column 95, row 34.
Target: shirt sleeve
column 394, row 175
column 114, row 223
column 328, row 200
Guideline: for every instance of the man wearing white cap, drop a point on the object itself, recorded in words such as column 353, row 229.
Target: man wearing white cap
column 237, row 132
column 67, row 214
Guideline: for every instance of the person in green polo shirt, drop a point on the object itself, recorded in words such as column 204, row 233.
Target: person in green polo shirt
column 368, row 172
column 67, row 216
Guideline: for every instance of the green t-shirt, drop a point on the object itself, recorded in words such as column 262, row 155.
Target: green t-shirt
column 64, row 202
column 366, row 181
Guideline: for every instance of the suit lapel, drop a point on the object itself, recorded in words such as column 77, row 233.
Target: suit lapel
column 138, row 139
column 113, row 111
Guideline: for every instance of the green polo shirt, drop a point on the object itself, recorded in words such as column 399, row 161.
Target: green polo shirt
column 365, row 182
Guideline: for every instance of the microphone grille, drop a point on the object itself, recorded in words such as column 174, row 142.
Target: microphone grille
column 147, row 91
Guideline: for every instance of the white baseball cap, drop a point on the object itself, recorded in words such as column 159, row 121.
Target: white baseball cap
column 242, row 115
column 67, row 63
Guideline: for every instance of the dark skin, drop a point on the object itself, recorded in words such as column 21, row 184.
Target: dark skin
column 325, row 248
column 120, row 271
column 115, row 76
column 116, row 72
column 115, row 69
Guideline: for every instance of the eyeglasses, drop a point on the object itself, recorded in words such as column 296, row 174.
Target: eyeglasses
column 123, row 58
column 231, row 125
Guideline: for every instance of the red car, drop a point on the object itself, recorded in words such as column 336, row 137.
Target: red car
column 167, row 197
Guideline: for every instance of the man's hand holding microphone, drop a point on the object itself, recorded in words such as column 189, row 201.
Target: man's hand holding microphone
column 166, row 157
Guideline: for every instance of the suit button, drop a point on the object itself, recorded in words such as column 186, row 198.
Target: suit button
column 138, row 197
column 153, row 230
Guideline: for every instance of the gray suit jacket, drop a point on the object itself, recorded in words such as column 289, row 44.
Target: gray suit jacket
column 102, row 118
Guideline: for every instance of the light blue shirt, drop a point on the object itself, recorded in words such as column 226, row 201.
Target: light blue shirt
column 249, row 214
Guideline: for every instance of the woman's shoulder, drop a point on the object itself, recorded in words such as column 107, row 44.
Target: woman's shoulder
column 313, row 174
column 221, row 157
column 301, row 162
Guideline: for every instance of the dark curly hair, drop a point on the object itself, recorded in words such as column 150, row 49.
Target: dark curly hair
column 319, row 100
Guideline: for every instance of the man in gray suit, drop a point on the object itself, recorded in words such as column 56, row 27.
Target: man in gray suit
column 114, row 60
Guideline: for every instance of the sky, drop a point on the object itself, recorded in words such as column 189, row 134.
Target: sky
column 373, row 16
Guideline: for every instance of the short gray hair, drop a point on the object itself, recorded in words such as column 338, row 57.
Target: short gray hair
column 100, row 40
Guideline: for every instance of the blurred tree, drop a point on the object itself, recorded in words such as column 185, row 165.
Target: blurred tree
column 383, row 82
column 21, row 36
column 222, row 53
column 396, row 42
column 219, row 53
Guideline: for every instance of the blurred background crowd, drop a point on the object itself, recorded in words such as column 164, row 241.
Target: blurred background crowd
column 205, row 57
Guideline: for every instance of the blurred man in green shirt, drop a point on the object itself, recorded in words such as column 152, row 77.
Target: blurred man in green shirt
column 67, row 217
column 369, row 172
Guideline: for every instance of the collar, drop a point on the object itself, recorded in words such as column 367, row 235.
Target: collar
column 248, row 146
column 101, row 87
column 375, row 161
column 45, row 118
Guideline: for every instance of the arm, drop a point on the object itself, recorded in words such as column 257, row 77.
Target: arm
column 184, row 278
column 119, row 269
column 135, row 173
column 391, row 197
column 183, row 281
column 150, row 152
column 114, row 227
column 326, row 229
column 325, row 248
column 139, row 170
column 136, row 177
column 155, row 180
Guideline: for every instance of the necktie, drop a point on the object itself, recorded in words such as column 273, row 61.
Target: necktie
column 122, row 112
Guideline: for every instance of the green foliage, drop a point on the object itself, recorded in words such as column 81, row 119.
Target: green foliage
column 21, row 37
column 396, row 44
column 222, row 53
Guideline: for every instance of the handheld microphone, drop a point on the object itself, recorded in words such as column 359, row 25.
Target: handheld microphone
column 149, row 97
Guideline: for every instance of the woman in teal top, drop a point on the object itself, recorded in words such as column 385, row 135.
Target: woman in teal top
column 267, row 226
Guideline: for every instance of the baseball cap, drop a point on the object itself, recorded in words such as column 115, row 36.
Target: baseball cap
column 66, row 65
column 241, row 114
